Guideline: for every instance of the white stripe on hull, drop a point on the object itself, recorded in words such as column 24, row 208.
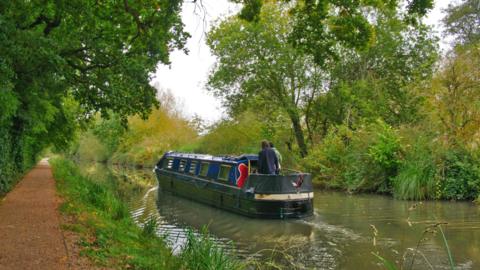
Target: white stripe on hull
column 284, row 197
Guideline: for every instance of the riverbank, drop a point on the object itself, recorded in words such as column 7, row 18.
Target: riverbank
column 109, row 236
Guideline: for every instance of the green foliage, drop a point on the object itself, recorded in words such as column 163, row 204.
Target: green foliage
column 8, row 171
column 89, row 147
column 147, row 140
column 372, row 158
column 462, row 21
column 111, row 238
column 150, row 227
column 416, row 179
column 386, row 149
column 234, row 137
column 377, row 158
column 364, row 159
column 63, row 61
column 327, row 160
column 258, row 67
column 250, row 10
column 109, row 235
column 143, row 142
column 201, row 252
column 454, row 97
column 380, row 81
column 109, row 132
column 320, row 26
column 372, row 71
column 460, row 175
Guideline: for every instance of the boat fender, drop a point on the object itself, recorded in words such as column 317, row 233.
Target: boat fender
column 298, row 182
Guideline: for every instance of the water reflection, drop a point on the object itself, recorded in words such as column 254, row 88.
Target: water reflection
column 338, row 236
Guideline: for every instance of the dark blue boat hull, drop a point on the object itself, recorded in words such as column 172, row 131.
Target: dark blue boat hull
column 233, row 199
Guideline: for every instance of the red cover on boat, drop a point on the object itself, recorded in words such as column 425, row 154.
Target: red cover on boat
column 243, row 170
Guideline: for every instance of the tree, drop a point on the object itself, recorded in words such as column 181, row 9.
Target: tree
column 101, row 52
column 380, row 81
column 463, row 22
column 96, row 56
column 319, row 26
column 455, row 96
column 233, row 137
column 256, row 63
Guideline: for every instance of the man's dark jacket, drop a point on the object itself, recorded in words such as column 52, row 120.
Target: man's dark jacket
column 267, row 161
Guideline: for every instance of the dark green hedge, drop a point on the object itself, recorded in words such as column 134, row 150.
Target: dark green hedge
column 17, row 154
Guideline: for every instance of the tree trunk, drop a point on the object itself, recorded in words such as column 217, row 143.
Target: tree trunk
column 297, row 129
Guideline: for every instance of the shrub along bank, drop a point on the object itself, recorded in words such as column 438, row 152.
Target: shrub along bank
column 17, row 154
column 110, row 237
column 407, row 163
column 143, row 142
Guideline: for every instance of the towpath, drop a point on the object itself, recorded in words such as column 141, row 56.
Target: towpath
column 30, row 234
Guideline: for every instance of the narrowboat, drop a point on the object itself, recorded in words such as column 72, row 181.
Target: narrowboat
column 233, row 184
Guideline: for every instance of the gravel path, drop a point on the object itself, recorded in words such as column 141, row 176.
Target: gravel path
column 30, row 234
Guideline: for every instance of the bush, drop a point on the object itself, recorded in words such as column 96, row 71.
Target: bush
column 327, row 161
column 18, row 153
column 460, row 175
column 363, row 159
column 373, row 157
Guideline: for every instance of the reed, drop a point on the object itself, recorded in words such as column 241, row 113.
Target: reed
column 150, row 226
column 416, row 178
column 201, row 252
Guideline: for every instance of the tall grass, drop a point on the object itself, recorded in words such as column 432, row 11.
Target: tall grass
column 150, row 226
column 201, row 252
column 416, row 179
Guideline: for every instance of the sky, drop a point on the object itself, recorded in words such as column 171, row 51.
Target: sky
column 186, row 76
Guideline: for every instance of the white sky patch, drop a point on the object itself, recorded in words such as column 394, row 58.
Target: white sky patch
column 434, row 18
column 187, row 75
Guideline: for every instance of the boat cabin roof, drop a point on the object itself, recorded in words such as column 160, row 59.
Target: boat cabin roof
column 203, row 157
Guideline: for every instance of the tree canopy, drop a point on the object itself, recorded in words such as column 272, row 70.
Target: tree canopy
column 259, row 67
column 63, row 61
column 320, row 25
column 256, row 61
column 463, row 22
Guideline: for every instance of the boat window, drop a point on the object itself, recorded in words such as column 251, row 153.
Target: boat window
column 168, row 164
column 204, row 169
column 181, row 167
column 193, row 167
column 253, row 166
column 224, row 171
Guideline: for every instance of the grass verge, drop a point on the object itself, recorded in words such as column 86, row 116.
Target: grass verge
column 109, row 236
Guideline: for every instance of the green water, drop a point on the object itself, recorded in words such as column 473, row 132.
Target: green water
column 340, row 235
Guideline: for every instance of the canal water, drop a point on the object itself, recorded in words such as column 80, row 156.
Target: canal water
column 344, row 233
